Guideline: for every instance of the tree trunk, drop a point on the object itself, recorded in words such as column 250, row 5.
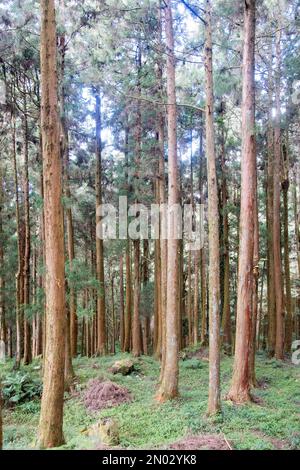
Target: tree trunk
column 240, row 387
column 213, row 229
column 68, row 211
column 169, row 380
column 252, row 374
column 136, row 326
column 136, row 323
column 127, row 324
column 51, row 417
column 19, row 273
column 26, row 296
column 2, row 305
column 226, row 319
column 101, row 324
column 122, row 326
column 270, row 245
column 287, row 276
column 279, row 344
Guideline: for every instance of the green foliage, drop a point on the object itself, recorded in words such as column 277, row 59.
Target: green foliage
column 19, row 387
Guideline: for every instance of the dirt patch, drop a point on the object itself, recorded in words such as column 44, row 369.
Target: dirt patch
column 202, row 442
column 279, row 444
column 104, row 394
column 201, row 353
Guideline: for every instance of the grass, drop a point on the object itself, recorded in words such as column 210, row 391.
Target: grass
column 143, row 423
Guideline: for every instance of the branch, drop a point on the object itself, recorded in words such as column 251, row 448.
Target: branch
column 161, row 103
column 191, row 9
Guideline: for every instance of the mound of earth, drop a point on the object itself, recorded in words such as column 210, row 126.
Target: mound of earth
column 104, row 394
column 201, row 442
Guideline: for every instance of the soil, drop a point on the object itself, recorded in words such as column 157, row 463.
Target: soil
column 101, row 394
column 201, row 442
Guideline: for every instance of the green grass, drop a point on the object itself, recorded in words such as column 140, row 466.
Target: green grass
column 144, row 423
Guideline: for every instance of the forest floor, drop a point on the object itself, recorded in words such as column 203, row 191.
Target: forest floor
column 271, row 422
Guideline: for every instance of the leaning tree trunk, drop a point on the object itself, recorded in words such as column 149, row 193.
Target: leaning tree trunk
column 169, row 380
column 213, row 229
column 51, row 417
column 240, row 387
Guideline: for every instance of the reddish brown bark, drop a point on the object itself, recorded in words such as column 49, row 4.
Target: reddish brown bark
column 169, row 379
column 51, row 418
column 279, row 344
column 240, row 387
column 213, row 228
column 101, row 322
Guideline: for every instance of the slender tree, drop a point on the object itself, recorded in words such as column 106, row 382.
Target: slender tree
column 51, row 418
column 213, row 228
column 240, row 387
column 169, row 380
column 279, row 308
column 101, row 324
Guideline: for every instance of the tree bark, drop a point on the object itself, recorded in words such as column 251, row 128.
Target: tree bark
column 213, row 228
column 279, row 344
column 101, row 323
column 169, row 380
column 240, row 387
column 51, row 417
column 26, row 275
column 287, row 275
column 122, row 326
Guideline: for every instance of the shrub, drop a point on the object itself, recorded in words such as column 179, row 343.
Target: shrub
column 20, row 387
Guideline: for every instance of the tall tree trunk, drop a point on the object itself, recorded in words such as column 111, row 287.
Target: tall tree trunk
column 127, row 323
column 252, row 374
column 68, row 211
column 169, row 380
column 136, row 323
column 296, row 198
column 270, row 245
column 213, row 228
column 279, row 345
column 287, row 276
column 226, row 319
column 196, row 298
column 19, row 273
column 51, row 417
column 2, row 304
column 101, row 341
column 26, row 275
column 122, row 326
column 240, row 386
column 128, row 294
column 203, row 297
